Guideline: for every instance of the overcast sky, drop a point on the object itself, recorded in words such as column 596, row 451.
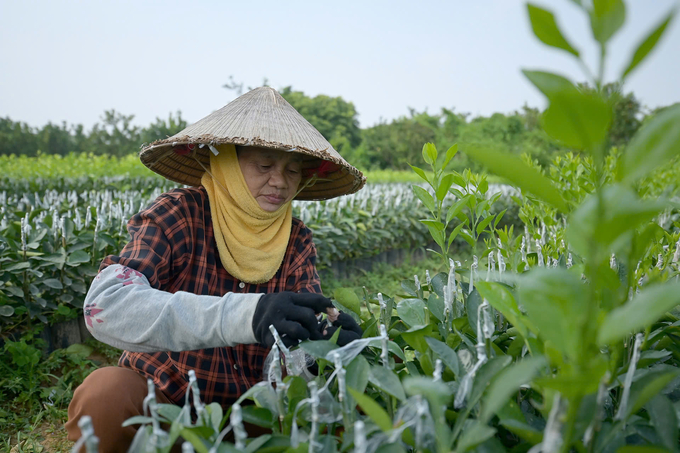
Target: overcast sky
column 72, row 60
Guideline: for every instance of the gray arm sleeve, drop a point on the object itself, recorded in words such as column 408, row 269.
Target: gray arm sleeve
column 123, row 310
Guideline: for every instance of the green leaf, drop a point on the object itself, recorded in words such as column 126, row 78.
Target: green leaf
column 416, row 335
column 257, row 416
column 454, row 233
column 507, row 382
column 429, row 153
column 412, row 312
column 579, row 120
column 435, row 391
column 79, row 350
column 664, row 420
column 647, row 387
column 546, row 30
column 622, row 211
column 444, row 186
column 21, row 265
column 465, row 234
column 523, row 430
column 485, row 374
column 520, row 174
column 420, row 172
column 499, row 217
column 77, row 257
column 348, row 298
column 500, row 298
column 646, row 46
column 556, row 303
column 449, row 154
column 550, row 84
column 484, row 223
column 447, row 355
column 646, row 308
column 653, row 145
column 456, row 208
column 606, row 18
column 137, row 420
column 385, row 379
column 473, row 435
column 6, row 310
column 357, row 373
column 372, row 409
column 53, row 283
column 424, row 196
column 319, row 348
column 438, row 226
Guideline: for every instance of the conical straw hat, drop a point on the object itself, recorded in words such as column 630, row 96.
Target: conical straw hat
column 261, row 117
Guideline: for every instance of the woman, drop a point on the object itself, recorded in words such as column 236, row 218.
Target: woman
column 210, row 267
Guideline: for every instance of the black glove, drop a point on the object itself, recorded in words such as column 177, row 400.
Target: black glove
column 350, row 329
column 292, row 314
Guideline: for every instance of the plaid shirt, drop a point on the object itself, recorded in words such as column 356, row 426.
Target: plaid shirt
column 173, row 246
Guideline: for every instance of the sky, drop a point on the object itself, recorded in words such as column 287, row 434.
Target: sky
column 69, row 61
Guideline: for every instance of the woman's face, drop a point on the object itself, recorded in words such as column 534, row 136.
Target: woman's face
column 272, row 176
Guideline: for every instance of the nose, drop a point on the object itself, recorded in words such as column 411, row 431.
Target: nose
column 277, row 178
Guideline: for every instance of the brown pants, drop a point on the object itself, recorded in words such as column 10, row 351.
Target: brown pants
column 110, row 396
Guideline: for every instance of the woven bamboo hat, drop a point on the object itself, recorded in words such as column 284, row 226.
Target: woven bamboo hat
column 263, row 118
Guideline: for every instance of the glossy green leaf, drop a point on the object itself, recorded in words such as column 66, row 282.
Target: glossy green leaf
column 420, row 172
column 648, row 386
column 472, row 303
column 653, row 145
column 319, row 348
column 485, row 375
column 450, row 153
column 444, row 186
column 456, row 208
column 372, row 409
column 622, row 212
column 348, row 298
column 257, row 416
column 6, row 310
column 474, row 435
column 436, row 391
column 546, row 30
column 447, row 355
column 78, row 257
column 507, row 382
column 385, row 379
column 512, row 168
column 53, row 283
column 644, row 309
column 556, row 302
column 357, row 373
column 523, row 430
column 484, row 223
column 647, row 45
column 430, row 153
column 424, row 196
column 412, row 312
column 579, row 120
column 21, row 265
column 415, row 337
column 664, row 419
column 550, row 84
column 455, row 233
column 606, row 18
column 500, row 298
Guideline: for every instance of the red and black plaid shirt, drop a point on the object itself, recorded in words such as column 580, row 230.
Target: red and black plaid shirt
column 173, row 246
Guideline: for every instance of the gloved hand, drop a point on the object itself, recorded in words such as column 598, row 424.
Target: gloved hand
column 292, row 314
column 350, row 329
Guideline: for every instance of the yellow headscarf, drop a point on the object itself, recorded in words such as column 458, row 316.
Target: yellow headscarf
column 251, row 241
